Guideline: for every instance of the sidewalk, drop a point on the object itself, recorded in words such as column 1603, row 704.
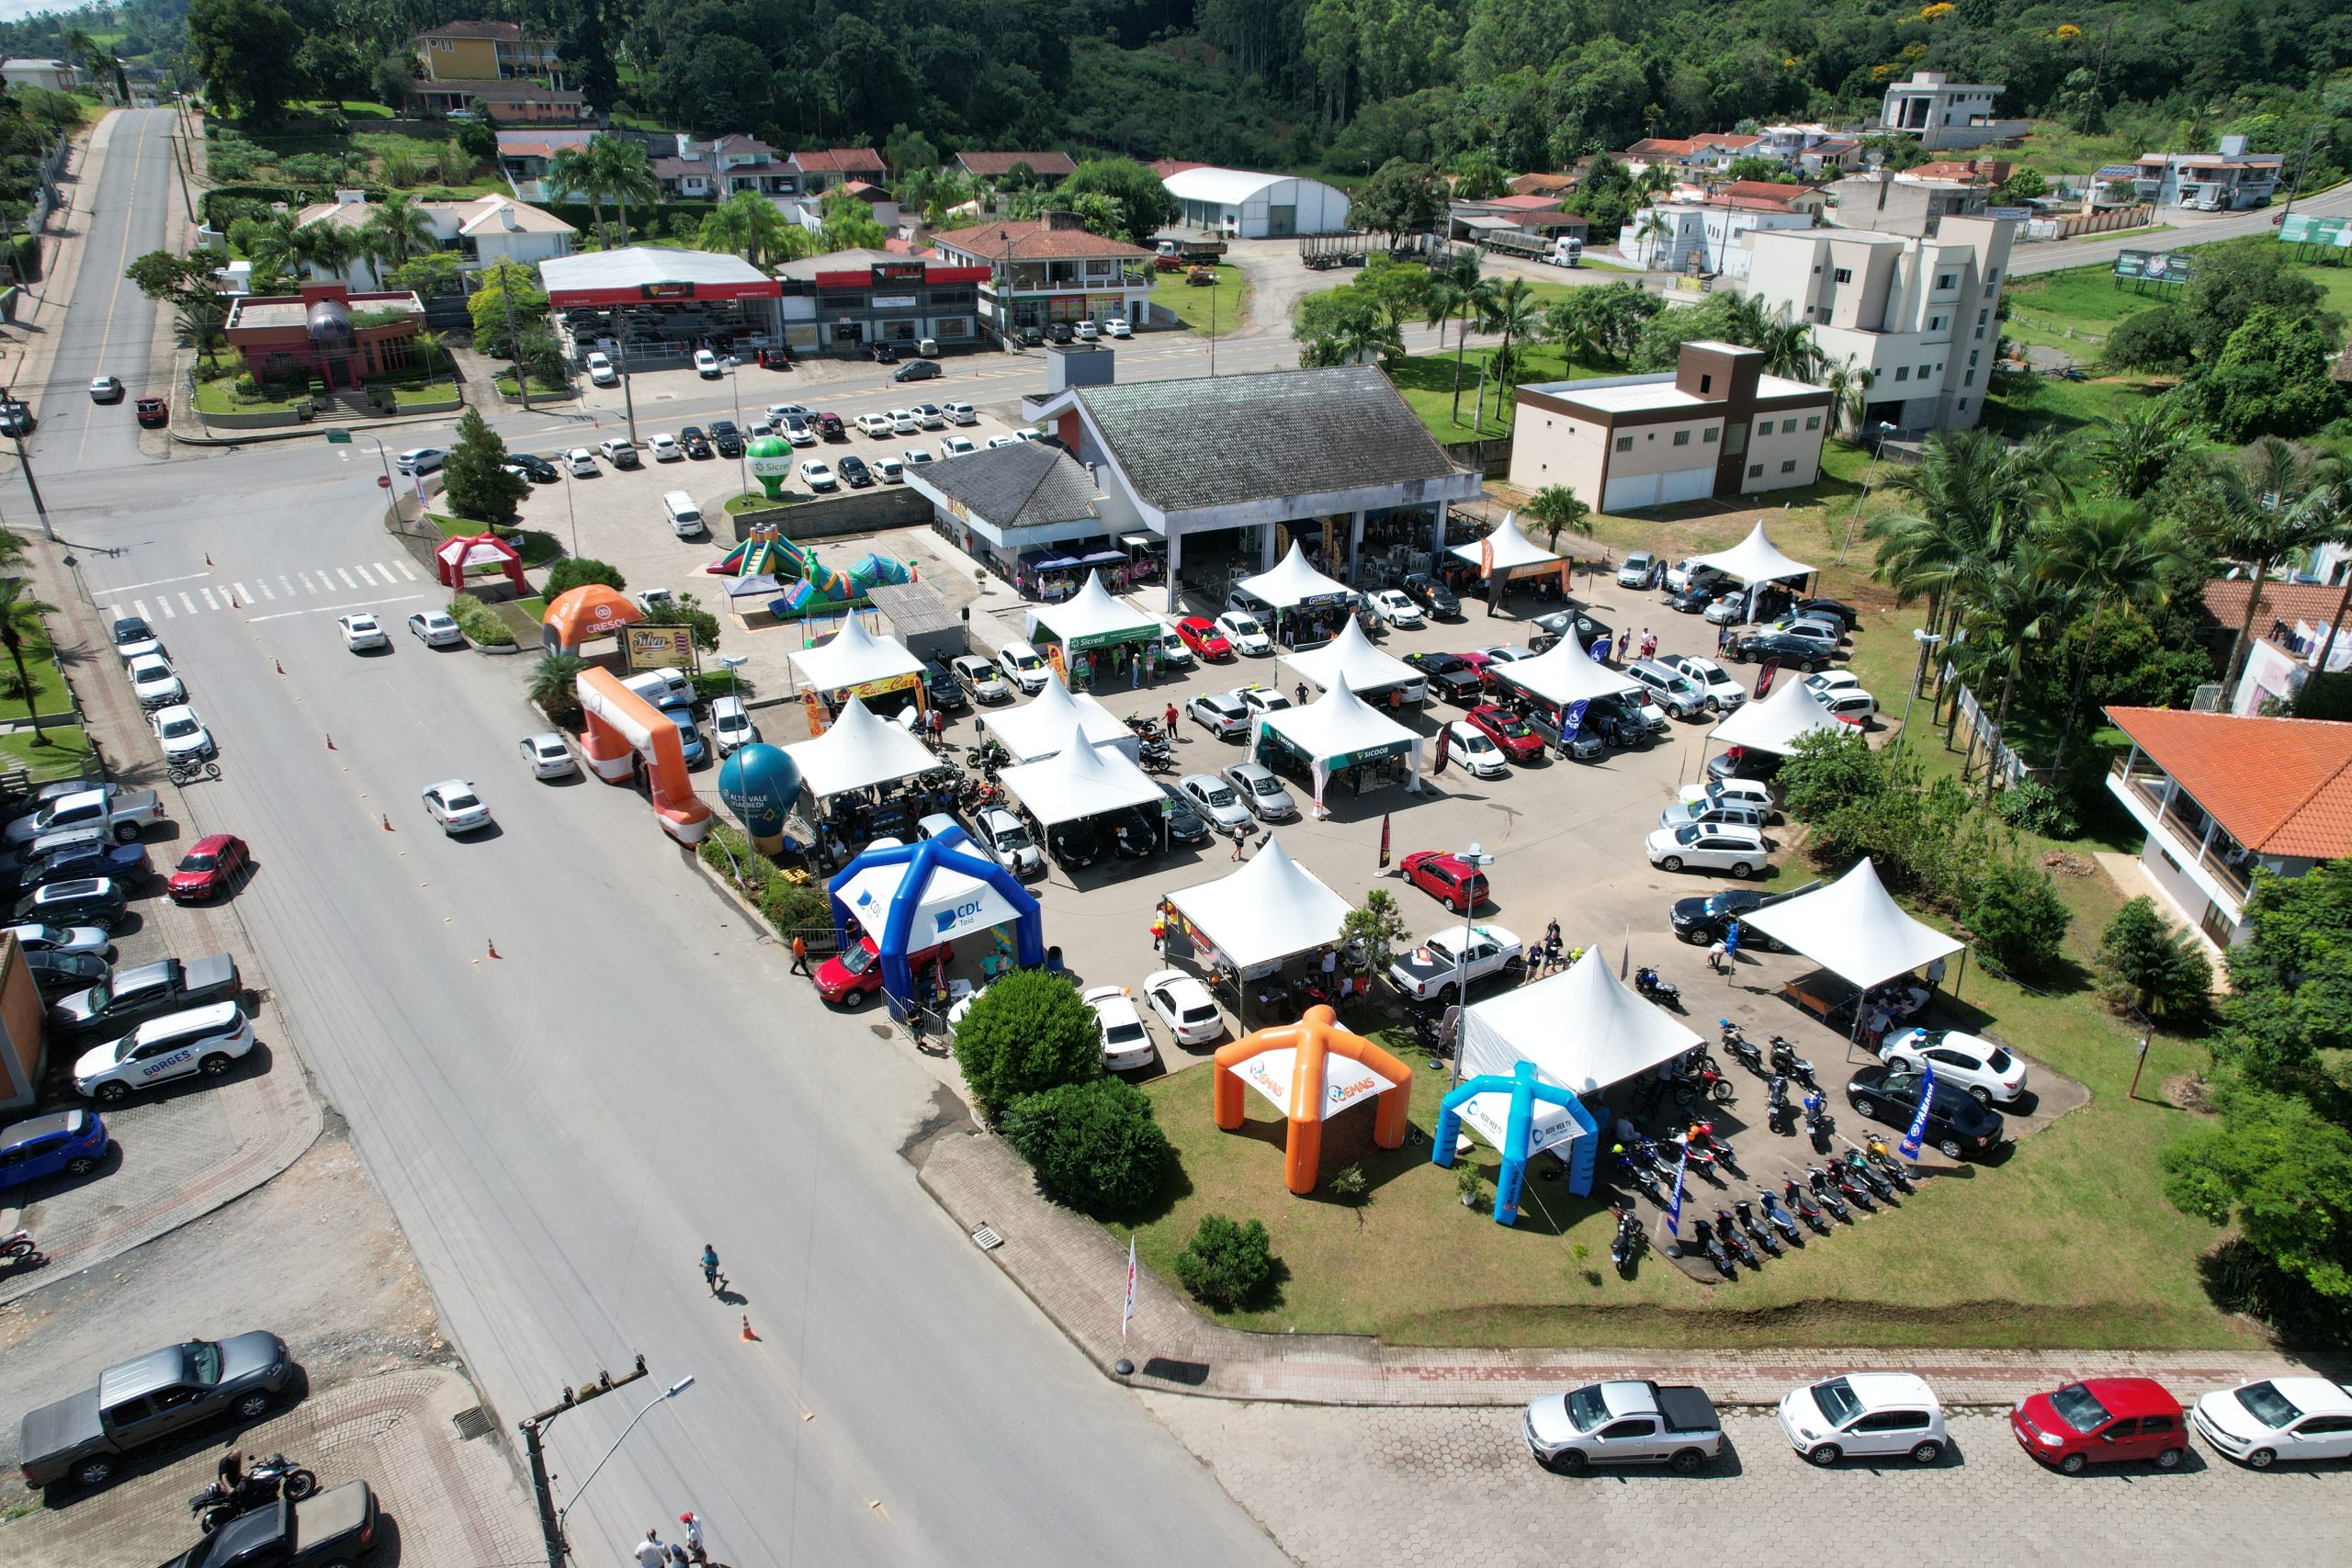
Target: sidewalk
column 447, row 1499
column 1076, row 1272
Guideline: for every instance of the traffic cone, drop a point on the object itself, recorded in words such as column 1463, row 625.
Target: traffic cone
column 387, row 822
column 494, row 947
column 281, row 665
column 747, row 1335
column 331, row 744
column 208, row 558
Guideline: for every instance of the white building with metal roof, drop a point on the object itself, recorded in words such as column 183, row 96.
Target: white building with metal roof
column 1241, row 205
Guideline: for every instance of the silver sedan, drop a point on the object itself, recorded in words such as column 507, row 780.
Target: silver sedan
column 1214, row 799
column 1260, row 791
column 454, row 804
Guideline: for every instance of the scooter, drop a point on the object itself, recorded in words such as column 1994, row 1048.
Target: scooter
column 1851, row 1186
column 1779, row 1114
column 1714, row 1250
column 1736, row 1244
column 1883, row 1157
column 1869, row 1175
column 1801, row 1198
column 1666, row 993
column 1761, row 1233
column 1700, row 1160
column 1739, row 1045
column 1818, row 1122
column 1627, row 1246
column 18, row 1248
column 1825, row 1191
column 1638, row 1173
column 260, row 1487
column 1782, row 1221
column 1786, row 1060
column 1702, row 1134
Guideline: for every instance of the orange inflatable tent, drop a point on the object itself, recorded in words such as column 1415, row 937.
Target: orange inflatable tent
column 1313, row 1069
column 623, row 726
column 591, row 610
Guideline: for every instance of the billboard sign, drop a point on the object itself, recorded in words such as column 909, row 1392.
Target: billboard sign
column 659, row 646
column 2153, row 267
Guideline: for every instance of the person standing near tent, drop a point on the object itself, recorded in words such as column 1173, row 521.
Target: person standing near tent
column 1168, row 719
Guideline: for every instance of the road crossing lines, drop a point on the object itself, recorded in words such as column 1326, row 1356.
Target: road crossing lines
column 358, row 577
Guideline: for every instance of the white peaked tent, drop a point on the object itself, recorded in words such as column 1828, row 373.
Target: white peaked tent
column 1042, row 726
column 1091, row 618
column 1339, row 729
column 1271, row 908
column 1855, row 929
column 1779, row 722
column 1350, row 657
column 1564, row 673
column 1755, row 559
column 1079, row 781
column 1294, row 583
column 1583, row 1029
column 858, row 752
column 855, row 658
column 1514, row 551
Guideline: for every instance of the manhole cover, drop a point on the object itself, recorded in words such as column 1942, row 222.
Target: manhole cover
column 471, row 1422
column 988, row 1238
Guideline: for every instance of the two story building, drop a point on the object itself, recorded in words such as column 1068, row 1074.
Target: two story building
column 485, row 230
column 1946, row 114
column 342, row 337
column 2289, row 637
column 2220, row 795
column 1917, row 313
column 1702, row 236
column 488, row 51
column 1050, row 269
column 821, row 169
column 844, row 301
column 523, row 157
column 1909, row 203
column 1716, row 425
column 2221, row 181
column 996, row 168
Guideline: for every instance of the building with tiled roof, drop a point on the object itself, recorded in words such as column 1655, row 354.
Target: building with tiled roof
column 2226, row 180
column 487, row 51
column 1772, row 193
column 1657, row 148
column 2288, row 637
column 516, row 102
column 1045, row 165
column 1050, row 269
column 484, row 231
column 2223, row 794
column 1552, row 186
column 1987, row 171
column 821, row 169
column 1164, row 167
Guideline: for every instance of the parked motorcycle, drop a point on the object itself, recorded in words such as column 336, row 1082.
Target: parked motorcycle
column 1818, row 1123
column 1800, row 1198
column 18, row 1248
column 1651, row 987
column 1786, row 1060
column 1782, row 1221
column 1636, row 1170
column 259, row 1488
column 1702, row 1135
column 1883, row 1157
column 1869, row 1175
column 1713, row 1248
column 1736, row 1244
column 1758, row 1231
column 1626, row 1247
column 1704, row 1084
column 1779, row 1114
column 1825, row 1192
column 1851, row 1188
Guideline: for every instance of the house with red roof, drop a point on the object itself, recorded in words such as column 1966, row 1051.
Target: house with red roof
column 2288, row 639
column 2222, row 794
column 1050, row 270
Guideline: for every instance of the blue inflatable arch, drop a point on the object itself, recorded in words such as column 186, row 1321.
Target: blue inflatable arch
column 951, row 851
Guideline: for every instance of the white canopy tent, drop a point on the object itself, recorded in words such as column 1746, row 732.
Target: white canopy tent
column 856, row 658
column 1091, row 618
column 1081, row 781
column 1755, row 559
column 1779, row 722
column 1339, row 729
column 952, row 902
column 1271, row 908
column 1294, row 583
column 1583, row 1029
column 859, row 751
column 1564, row 673
column 1514, row 553
column 1855, row 928
column 1041, row 727
column 1349, row 656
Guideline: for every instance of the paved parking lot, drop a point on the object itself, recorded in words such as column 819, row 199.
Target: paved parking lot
column 1359, row 1488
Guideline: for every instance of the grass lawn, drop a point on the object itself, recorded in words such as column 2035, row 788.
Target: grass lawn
column 424, row 393
column 1426, row 381
column 219, row 396
column 2075, row 309
column 2062, row 407
column 66, row 755
column 757, row 500
column 49, row 692
column 535, row 607
column 2055, row 150
column 540, row 384
column 538, row 548
column 1212, row 312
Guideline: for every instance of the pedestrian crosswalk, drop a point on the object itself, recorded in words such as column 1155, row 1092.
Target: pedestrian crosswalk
column 283, row 588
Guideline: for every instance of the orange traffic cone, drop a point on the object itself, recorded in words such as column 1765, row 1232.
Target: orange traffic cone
column 331, row 744
column 387, row 822
column 747, row 1335
column 494, row 947
column 281, row 665
column 208, row 558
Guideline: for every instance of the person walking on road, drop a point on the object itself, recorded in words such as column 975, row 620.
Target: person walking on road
column 1168, row 718
column 695, row 1550
column 1240, row 837
column 711, row 1274
column 1717, row 956
column 650, row 1552
column 800, row 954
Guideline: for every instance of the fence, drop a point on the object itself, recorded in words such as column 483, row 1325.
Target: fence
column 2000, row 762
column 2074, row 225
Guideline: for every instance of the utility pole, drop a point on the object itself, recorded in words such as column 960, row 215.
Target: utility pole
column 2293, row 190
column 620, row 353
column 534, row 1431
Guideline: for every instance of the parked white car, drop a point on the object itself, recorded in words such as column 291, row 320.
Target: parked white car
column 931, row 416
column 183, row 734
column 1024, row 666
column 916, row 458
column 1116, row 326
column 731, row 725
column 1730, row 610
column 454, row 804
column 601, row 371
column 1865, row 1416
column 206, row 1039
column 1720, row 846
column 818, row 475
column 1214, row 799
column 1242, row 630
column 960, row 413
column 1172, row 651
column 156, row 684
column 1750, row 792
column 995, row 442
column 876, row 424
column 956, row 446
column 548, row 757
column 2258, row 1424
column 1391, row 605
column 1723, row 693
column 1854, row 706
column 582, row 462
column 665, row 448
column 1830, row 681
column 1001, row 834
column 1985, row 1068
column 797, row 431
column 1638, row 570
column 435, row 628
column 1222, row 714
column 890, row 470
column 1186, row 1006
column 612, row 446
column 707, row 365
column 1127, row 1043
column 1473, row 751
column 904, row 423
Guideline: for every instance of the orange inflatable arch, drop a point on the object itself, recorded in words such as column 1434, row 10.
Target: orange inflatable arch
column 622, row 726
column 1316, row 1040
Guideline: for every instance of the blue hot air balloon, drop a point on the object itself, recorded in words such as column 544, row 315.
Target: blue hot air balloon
column 759, row 783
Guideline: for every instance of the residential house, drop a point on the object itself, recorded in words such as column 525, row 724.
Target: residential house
column 2111, row 186
column 487, row 51
column 1674, row 152
column 1918, row 314
column 1703, row 235
column 485, row 230
column 2223, row 181
column 991, row 168
column 1553, row 185
column 2289, row 632
column 1050, row 269
column 328, row 332
column 1787, row 197
column 1946, row 114
column 505, row 103
column 819, row 170
column 1968, row 171
column 56, row 76
column 1715, row 425
column 1719, row 150
column 523, row 157
column 2220, row 795
column 1886, row 203
column 1811, row 150
column 1538, row 217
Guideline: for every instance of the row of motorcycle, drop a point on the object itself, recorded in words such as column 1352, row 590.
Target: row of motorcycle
column 1746, row 1231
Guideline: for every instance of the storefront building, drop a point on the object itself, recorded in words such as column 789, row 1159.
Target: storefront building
column 848, row 300
column 1050, row 270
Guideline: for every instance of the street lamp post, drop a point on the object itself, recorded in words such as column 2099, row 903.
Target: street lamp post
column 732, row 662
column 571, row 511
column 1474, row 858
column 1926, row 641
column 1877, row 455
column 742, row 437
column 671, row 1392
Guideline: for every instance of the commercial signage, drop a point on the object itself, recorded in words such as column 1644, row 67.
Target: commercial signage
column 894, row 302
column 770, row 465
column 2154, row 267
column 897, row 272
column 2304, row 228
column 667, row 290
column 650, row 647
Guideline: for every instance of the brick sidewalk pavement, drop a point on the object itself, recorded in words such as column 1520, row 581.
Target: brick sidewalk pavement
column 451, row 1501
column 1076, row 1272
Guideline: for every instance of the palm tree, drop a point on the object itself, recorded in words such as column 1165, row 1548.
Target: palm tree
column 1649, row 232
column 200, row 323
column 1849, row 385
column 1459, row 292
column 326, row 248
column 394, row 232
column 2134, row 452
column 1517, row 314
column 1561, row 511
column 1571, row 323
column 2018, row 602
column 577, row 173
column 2110, row 552
column 2272, row 504
column 626, row 177
column 1972, row 498
column 1788, row 349
column 554, row 685
column 748, row 224
column 20, row 616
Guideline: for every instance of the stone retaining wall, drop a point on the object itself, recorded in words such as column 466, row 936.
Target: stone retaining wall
column 854, row 512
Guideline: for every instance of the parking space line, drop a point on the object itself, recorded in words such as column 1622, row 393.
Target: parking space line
column 139, row 608
column 387, row 571
column 237, row 590
column 265, row 593
column 210, row 602
column 166, row 606
column 306, row 582
column 114, row 612
column 326, row 579
column 285, row 585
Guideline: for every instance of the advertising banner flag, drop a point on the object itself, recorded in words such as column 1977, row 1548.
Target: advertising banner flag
column 1917, row 1132
column 1127, row 1313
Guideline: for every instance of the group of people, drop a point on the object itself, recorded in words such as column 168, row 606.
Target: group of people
column 1550, row 955
column 655, row 1553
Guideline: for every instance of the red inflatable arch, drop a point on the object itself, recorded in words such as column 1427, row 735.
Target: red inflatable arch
column 1316, row 1086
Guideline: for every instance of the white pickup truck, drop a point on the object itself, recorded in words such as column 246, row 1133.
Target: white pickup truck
column 125, row 813
column 1469, row 953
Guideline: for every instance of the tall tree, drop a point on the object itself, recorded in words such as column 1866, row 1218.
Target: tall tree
column 623, row 175
column 2259, row 511
column 2113, row 556
column 245, row 51
column 2133, row 453
column 1458, row 290
column 20, row 622
column 577, row 174
column 1518, row 314
column 1145, row 204
column 1400, row 198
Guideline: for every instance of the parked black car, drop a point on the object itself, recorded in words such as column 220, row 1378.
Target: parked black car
column 1778, row 648
column 128, row 864
column 1834, row 609
column 59, row 974
column 726, row 437
column 539, row 471
column 1133, row 833
column 1690, row 600
column 1031, row 336
column 918, row 370
column 884, row 354
column 1431, row 594
column 1060, row 331
column 15, row 418
column 1073, row 844
column 92, row 901
column 693, row 442
column 1735, row 764
column 1185, row 826
column 1700, row 921
column 939, row 682
column 854, row 471
column 1956, row 1123
column 1448, row 677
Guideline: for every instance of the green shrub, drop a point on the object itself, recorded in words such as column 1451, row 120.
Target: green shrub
column 1027, row 1033
column 554, row 685
column 2017, row 918
column 1349, row 1184
column 2148, row 965
column 1226, row 1264
column 480, row 624
column 1094, row 1145
column 726, row 851
column 2035, row 806
column 709, row 684
column 795, row 907
column 572, row 571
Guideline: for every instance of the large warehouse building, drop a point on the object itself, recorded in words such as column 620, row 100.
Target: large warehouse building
column 1245, row 205
column 663, row 303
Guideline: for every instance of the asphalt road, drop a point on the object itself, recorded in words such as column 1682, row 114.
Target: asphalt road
column 562, row 1128
column 2026, row 261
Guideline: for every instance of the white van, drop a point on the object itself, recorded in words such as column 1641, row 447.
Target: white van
column 664, row 688
column 685, row 517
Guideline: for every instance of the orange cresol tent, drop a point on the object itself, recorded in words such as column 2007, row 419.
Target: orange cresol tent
column 1313, row 1070
column 622, row 726
column 591, row 610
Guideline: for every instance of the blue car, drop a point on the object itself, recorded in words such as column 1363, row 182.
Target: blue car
column 70, row 1141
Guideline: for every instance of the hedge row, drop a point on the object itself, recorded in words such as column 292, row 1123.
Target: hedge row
column 233, row 196
column 791, row 907
column 479, row 622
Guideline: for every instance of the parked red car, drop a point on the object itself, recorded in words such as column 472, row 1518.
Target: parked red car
column 1507, row 730
column 1448, row 878
column 1199, row 634
column 154, row 413
column 2101, row 1421
column 210, row 868
column 776, row 359
column 829, row 426
column 848, row 978
column 1481, row 666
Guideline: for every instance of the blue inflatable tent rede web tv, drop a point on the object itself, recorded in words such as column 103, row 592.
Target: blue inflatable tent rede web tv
column 1518, row 1125
column 895, row 934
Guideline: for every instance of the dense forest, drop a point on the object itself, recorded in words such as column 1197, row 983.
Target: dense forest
column 1344, row 85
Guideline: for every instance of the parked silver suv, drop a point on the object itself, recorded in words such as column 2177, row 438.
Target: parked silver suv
column 1669, row 689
